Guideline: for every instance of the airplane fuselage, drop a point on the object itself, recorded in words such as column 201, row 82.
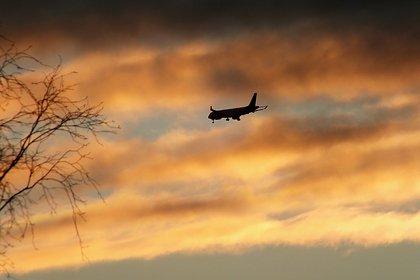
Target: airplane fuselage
column 234, row 113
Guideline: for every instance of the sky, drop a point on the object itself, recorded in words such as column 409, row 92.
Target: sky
column 324, row 184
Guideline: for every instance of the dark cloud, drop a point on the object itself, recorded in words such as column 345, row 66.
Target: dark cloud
column 321, row 62
column 300, row 135
column 199, row 207
column 266, row 62
column 227, row 79
column 408, row 207
column 115, row 22
column 290, row 216
column 138, row 210
column 357, row 172
column 325, row 112
column 301, row 48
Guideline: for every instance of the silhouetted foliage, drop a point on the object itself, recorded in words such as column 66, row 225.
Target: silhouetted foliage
column 43, row 133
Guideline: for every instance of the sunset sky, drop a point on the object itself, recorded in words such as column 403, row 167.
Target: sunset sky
column 324, row 184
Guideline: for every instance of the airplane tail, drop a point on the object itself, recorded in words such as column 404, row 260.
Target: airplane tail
column 253, row 102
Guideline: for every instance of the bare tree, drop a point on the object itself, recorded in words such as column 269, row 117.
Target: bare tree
column 34, row 117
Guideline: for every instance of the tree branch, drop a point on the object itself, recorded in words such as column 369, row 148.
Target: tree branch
column 45, row 113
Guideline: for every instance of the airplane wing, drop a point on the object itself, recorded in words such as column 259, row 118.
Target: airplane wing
column 260, row 108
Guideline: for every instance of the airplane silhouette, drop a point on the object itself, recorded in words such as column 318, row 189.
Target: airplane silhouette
column 236, row 113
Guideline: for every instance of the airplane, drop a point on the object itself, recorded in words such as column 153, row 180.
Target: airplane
column 236, row 113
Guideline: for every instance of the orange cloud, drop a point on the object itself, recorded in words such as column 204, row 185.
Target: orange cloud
column 271, row 180
column 120, row 231
column 195, row 73
column 281, row 183
column 342, row 172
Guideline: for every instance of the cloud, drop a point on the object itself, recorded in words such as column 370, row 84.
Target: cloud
column 202, row 72
column 117, row 231
column 308, row 173
column 326, row 63
column 307, row 189
column 113, row 22
column 332, row 160
column 268, row 46
column 308, row 127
